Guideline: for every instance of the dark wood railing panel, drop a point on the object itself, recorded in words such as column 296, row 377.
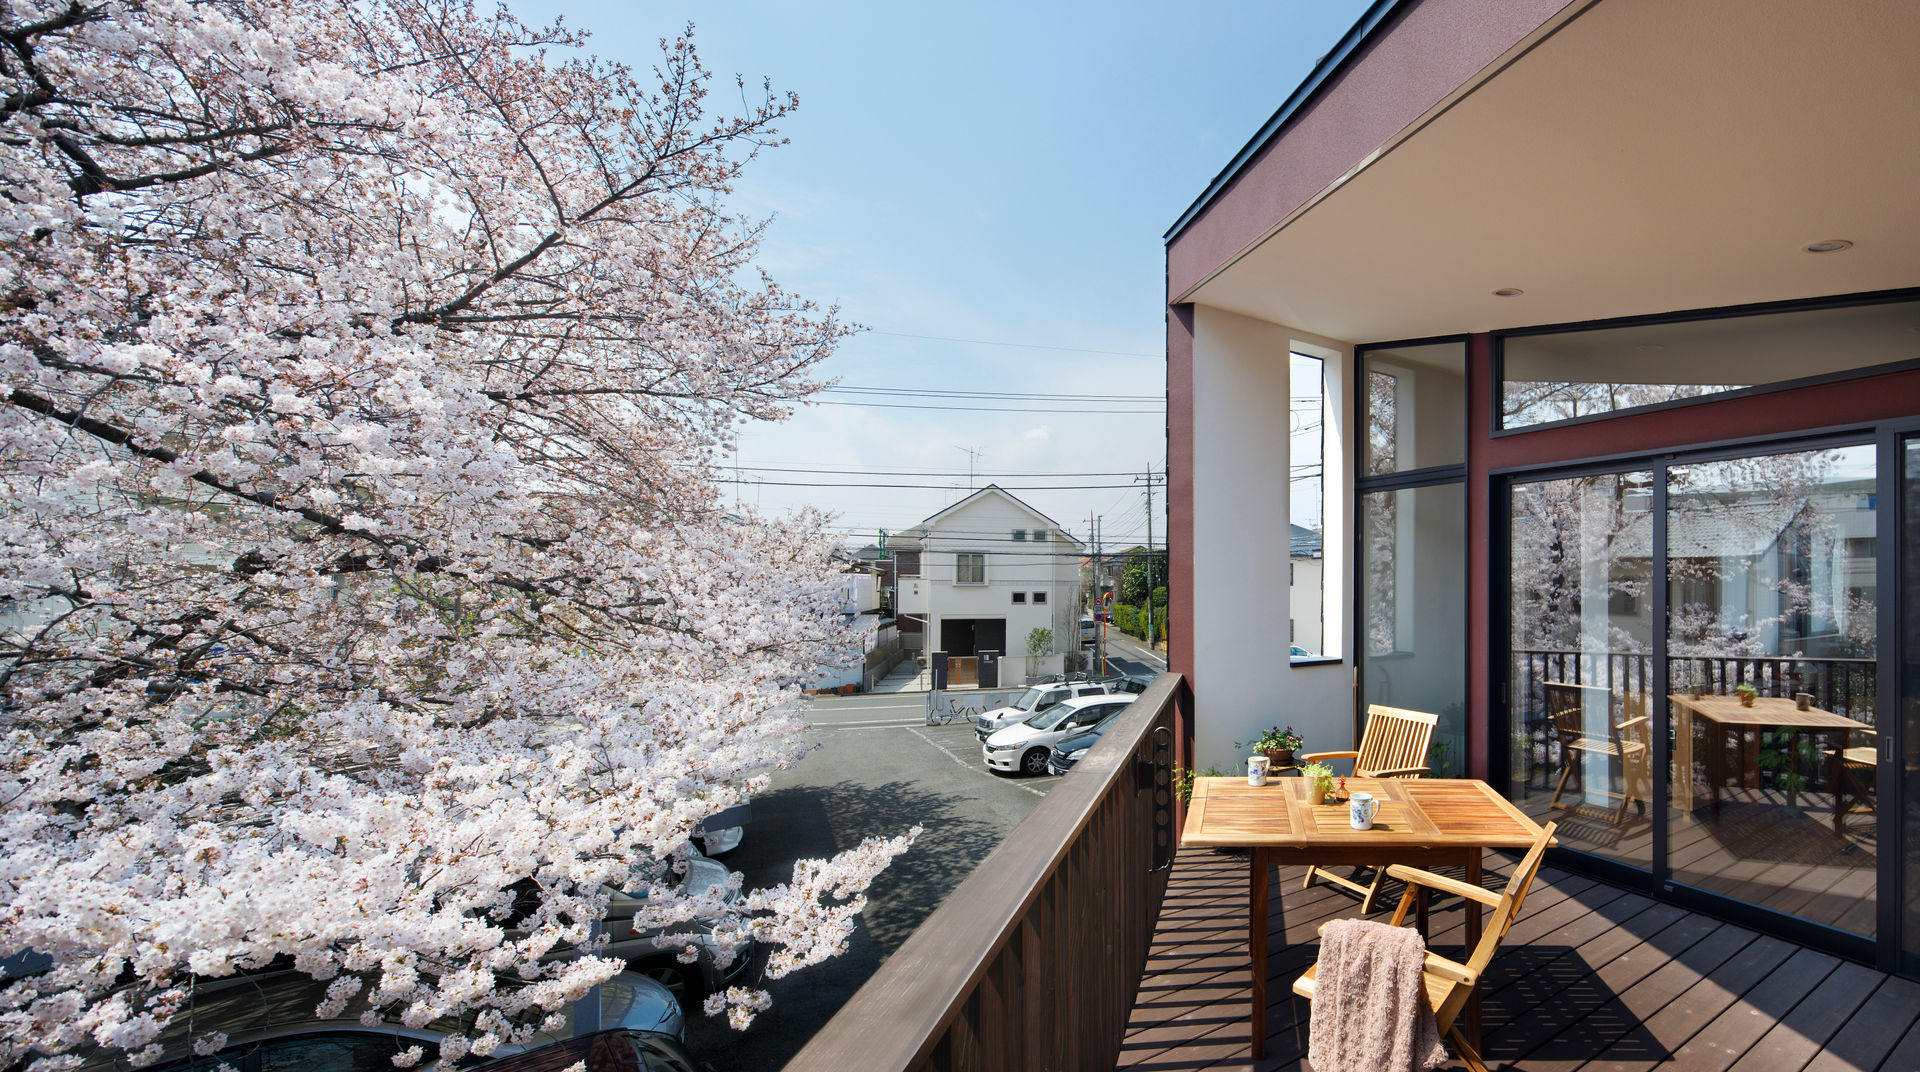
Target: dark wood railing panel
column 1035, row 960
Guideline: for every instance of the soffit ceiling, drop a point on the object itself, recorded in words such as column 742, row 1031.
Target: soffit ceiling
column 1646, row 157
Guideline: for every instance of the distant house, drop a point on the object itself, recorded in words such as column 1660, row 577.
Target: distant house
column 1305, row 589
column 872, row 630
column 983, row 574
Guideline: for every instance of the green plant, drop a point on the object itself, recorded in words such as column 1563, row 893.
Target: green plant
column 1786, row 754
column 1746, row 689
column 1183, row 783
column 1183, row 780
column 1039, row 643
column 1318, row 772
column 1272, row 740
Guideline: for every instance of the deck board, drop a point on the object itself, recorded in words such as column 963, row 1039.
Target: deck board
column 1593, row 978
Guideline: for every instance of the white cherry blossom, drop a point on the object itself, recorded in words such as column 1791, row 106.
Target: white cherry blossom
column 362, row 372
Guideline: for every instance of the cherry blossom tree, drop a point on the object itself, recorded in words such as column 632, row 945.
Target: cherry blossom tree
column 362, row 368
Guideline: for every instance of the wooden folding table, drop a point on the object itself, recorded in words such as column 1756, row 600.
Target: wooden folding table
column 1422, row 822
column 1721, row 715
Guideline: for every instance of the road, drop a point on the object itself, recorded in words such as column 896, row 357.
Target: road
column 1131, row 656
column 875, row 770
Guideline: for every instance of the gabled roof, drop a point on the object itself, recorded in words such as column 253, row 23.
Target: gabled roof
column 994, row 489
column 1302, row 542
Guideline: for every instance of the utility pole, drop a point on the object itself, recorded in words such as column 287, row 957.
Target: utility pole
column 1149, row 480
column 1100, row 637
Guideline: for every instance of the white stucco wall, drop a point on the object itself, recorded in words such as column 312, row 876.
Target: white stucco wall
column 1241, row 678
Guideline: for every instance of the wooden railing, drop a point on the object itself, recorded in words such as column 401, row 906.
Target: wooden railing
column 1033, row 962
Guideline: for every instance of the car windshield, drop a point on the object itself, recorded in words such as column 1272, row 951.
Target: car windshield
column 1028, row 699
column 1051, row 717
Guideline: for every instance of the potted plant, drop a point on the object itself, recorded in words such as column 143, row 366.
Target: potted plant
column 1320, row 777
column 1276, row 744
column 1746, row 692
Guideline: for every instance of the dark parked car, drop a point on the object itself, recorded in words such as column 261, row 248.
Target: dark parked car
column 691, row 983
column 1068, row 751
column 270, row 1027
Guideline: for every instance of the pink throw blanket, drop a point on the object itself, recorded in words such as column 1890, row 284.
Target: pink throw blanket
column 1370, row 1011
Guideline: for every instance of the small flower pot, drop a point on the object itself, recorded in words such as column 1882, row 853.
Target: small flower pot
column 1281, row 758
column 1746, row 699
column 1317, row 793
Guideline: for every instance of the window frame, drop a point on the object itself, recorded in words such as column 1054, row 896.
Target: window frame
column 1497, row 377
column 980, row 564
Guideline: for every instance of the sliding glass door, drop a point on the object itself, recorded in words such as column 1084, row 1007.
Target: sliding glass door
column 1581, row 624
column 1692, row 672
column 1772, row 621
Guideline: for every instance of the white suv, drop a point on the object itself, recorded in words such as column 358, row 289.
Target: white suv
column 1036, row 699
column 1023, row 746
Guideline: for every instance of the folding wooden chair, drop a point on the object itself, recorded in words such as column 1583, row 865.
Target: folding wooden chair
column 1628, row 742
column 1394, row 745
column 1450, row 983
column 1858, row 764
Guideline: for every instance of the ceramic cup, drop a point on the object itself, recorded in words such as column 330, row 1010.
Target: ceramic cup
column 1361, row 808
column 1257, row 770
column 1803, row 700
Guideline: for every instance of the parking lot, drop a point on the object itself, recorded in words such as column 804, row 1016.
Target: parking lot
column 875, row 769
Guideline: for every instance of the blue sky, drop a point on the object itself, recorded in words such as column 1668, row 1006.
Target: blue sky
column 991, row 172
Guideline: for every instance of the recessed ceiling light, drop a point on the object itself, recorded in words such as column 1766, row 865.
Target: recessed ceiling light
column 1649, row 347
column 1831, row 245
column 1508, row 292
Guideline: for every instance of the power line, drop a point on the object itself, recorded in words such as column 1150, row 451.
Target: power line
column 930, row 487
column 827, row 471
column 1016, row 345
column 973, row 409
column 1036, row 396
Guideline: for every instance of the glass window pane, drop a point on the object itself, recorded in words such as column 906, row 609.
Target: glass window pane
column 1413, row 598
column 1771, row 591
column 1910, row 683
column 1567, row 375
column 1415, row 405
column 1306, row 588
column 1582, row 639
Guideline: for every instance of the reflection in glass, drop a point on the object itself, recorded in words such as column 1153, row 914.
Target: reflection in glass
column 1571, row 374
column 1582, row 628
column 1771, row 591
column 1415, row 403
column 1910, row 681
column 1413, row 602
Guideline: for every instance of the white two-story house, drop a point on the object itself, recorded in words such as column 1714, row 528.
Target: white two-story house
column 983, row 575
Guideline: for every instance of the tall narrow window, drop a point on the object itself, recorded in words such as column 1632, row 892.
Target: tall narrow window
column 1411, row 510
column 1306, row 503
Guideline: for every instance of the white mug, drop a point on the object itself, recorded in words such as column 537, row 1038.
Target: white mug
column 1257, row 769
column 1361, row 808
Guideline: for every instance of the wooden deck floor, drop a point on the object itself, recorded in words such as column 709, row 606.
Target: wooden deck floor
column 1592, row 978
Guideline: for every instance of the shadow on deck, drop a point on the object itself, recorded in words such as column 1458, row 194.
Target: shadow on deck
column 1592, row 977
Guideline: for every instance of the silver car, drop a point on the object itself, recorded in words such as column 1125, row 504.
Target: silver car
column 270, row 1027
column 1036, row 699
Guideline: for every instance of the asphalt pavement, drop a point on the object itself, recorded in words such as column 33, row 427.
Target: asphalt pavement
column 875, row 769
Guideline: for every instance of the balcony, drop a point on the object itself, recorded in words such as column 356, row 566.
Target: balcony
column 1073, row 946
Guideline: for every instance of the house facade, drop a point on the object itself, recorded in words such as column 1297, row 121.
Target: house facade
column 1618, row 305
column 983, row 575
column 1306, row 591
